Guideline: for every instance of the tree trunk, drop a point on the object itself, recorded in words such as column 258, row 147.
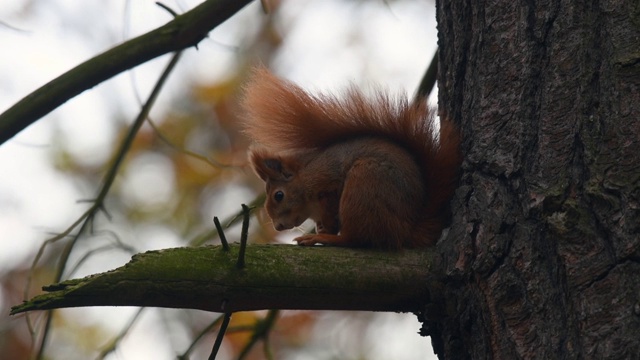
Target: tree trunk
column 543, row 258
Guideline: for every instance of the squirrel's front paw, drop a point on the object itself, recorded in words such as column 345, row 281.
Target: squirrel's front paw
column 324, row 239
column 306, row 240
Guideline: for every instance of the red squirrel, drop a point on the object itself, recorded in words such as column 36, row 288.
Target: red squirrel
column 370, row 171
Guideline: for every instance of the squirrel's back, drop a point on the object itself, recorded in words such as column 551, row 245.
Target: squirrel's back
column 283, row 117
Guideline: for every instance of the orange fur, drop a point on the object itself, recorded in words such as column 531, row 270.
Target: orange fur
column 362, row 168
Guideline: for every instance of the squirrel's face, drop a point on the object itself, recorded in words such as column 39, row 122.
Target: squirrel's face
column 286, row 203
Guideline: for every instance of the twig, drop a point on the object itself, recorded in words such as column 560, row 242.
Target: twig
column 200, row 239
column 244, row 234
column 202, row 333
column 166, row 7
column 429, row 79
column 223, row 329
column 223, row 238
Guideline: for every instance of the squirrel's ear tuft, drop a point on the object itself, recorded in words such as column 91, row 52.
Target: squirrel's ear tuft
column 272, row 167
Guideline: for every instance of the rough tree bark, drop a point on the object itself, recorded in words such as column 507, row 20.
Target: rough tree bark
column 543, row 260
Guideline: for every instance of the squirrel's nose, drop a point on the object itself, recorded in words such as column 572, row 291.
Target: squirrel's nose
column 279, row 227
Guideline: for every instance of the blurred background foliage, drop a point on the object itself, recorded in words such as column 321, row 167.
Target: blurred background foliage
column 187, row 164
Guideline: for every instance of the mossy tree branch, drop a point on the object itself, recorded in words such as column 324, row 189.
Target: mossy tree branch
column 275, row 277
column 182, row 32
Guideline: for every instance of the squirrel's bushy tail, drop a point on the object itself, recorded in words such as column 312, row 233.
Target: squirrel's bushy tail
column 281, row 116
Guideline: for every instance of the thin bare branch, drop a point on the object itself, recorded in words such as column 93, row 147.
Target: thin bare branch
column 98, row 204
column 184, row 31
column 220, row 336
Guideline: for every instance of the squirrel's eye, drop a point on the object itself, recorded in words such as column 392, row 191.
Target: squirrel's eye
column 278, row 196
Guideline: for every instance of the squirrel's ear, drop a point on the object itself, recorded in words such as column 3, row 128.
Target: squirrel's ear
column 271, row 167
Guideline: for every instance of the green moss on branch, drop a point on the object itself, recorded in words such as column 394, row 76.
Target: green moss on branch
column 275, row 277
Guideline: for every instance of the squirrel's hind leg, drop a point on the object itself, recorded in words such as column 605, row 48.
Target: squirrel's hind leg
column 376, row 202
